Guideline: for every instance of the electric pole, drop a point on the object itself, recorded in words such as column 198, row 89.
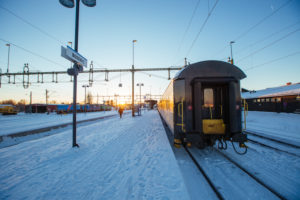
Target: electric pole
column 231, row 61
column 47, row 96
column 30, row 100
column 132, row 103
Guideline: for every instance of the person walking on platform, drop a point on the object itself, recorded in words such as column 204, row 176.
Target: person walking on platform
column 121, row 111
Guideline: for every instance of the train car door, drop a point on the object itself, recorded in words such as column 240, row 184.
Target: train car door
column 214, row 109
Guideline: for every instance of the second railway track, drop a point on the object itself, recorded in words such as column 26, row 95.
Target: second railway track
column 274, row 144
column 17, row 135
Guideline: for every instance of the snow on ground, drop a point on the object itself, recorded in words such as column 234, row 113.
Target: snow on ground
column 282, row 126
column 128, row 158
column 26, row 121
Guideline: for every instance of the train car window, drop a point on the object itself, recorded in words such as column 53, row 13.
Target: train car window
column 267, row 100
column 258, row 100
column 208, row 97
column 273, row 99
column 262, row 100
column 254, row 100
column 278, row 99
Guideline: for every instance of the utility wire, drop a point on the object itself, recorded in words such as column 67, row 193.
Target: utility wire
column 270, row 44
column 188, row 27
column 35, row 54
column 154, row 75
column 257, row 24
column 32, row 25
column 262, row 20
column 202, row 27
column 272, row 61
column 265, row 38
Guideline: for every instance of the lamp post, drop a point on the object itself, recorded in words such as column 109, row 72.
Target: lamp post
column 8, row 45
column 140, row 84
column 133, row 41
column 85, row 86
column 71, row 4
column 70, row 43
column 231, row 61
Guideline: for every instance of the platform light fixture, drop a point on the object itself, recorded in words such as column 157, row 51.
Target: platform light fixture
column 140, row 85
column 132, row 87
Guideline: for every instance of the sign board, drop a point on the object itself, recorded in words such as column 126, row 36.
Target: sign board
column 73, row 56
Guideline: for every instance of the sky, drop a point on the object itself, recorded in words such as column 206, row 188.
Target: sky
column 266, row 35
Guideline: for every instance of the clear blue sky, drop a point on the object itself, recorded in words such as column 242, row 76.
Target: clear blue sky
column 266, row 35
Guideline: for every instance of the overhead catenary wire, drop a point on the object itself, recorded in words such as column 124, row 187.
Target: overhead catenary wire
column 154, row 75
column 32, row 25
column 35, row 27
column 188, row 27
column 272, row 61
column 261, row 21
column 256, row 25
column 202, row 27
column 31, row 52
column 265, row 38
column 269, row 45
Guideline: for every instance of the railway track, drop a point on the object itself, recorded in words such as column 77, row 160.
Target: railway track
column 272, row 139
column 241, row 173
column 267, row 142
column 251, row 175
column 213, row 185
column 209, row 181
column 16, row 136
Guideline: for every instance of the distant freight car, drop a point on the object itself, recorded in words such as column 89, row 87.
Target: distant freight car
column 7, row 109
column 202, row 104
column 66, row 108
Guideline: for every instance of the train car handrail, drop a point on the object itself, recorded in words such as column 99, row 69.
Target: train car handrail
column 180, row 114
column 245, row 113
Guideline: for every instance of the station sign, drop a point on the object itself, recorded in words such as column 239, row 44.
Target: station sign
column 73, row 56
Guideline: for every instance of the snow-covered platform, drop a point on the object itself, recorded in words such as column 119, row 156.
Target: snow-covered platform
column 128, row 158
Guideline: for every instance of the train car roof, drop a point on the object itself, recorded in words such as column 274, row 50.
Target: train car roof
column 210, row 68
column 285, row 90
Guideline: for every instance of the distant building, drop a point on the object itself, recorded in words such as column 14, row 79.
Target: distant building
column 284, row 98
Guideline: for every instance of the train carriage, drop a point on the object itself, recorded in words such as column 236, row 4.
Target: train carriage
column 202, row 104
column 7, row 109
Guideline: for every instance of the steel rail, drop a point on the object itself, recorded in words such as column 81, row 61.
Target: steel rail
column 211, row 184
column 168, row 133
column 272, row 139
column 251, row 175
column 274, row 148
